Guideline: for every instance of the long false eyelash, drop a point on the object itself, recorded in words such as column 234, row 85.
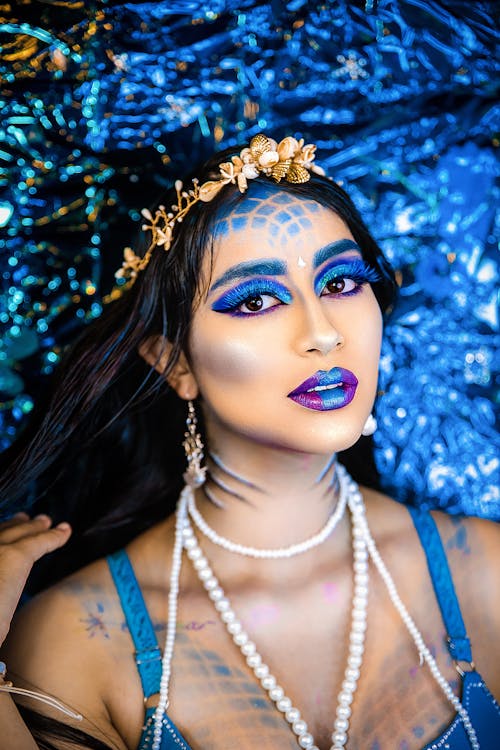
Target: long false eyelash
column 233, row 298
column 357, row 270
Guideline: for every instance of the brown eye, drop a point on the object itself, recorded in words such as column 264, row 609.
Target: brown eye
column 339, row 285
column 335, row 286
column 254, row 304
column 258, row 303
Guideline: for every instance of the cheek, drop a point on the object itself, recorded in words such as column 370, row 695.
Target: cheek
column 369, row 325
column 223, row 358
column 372, row 336
column 363, row 341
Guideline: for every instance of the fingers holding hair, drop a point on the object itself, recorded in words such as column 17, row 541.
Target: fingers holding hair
column 23, row 541
column 21, row 525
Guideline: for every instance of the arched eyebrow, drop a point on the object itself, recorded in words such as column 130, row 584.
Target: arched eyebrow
column 276, row 267
column 261, row 267
column 334, row 248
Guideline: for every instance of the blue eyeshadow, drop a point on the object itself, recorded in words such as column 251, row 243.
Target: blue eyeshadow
column 233, row 298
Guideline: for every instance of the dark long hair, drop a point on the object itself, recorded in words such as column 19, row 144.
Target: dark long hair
column 104, row 449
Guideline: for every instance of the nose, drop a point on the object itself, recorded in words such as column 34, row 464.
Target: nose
column 317, row 332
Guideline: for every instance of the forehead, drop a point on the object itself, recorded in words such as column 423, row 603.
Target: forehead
column 267, row 217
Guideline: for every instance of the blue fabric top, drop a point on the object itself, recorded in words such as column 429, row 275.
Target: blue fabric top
column 483, row 710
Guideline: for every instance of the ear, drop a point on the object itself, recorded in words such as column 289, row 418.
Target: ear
column 156, row 351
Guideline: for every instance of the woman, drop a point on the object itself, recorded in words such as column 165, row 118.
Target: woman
column 259, row 305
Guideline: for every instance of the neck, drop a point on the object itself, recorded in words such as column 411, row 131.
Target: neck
column 264, row 497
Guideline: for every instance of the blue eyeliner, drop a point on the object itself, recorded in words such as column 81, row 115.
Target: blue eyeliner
column 233, row 298
column 356, row 270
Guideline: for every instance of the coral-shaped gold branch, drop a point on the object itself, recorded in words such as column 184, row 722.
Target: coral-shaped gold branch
column 288, row 160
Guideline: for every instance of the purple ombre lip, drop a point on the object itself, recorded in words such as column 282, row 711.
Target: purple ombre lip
column 324, row 390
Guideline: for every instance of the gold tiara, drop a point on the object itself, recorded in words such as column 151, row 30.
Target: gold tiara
column 288, row 160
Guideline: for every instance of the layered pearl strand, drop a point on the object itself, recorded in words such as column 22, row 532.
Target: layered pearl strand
column 363, row 545
column 173, row 596
column 254, row 660
column 424, row 653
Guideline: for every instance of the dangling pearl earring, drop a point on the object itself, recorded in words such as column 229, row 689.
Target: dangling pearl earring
column 193, row 446
column 370, row 426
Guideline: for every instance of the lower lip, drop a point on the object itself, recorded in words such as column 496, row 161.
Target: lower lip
column 331, row 398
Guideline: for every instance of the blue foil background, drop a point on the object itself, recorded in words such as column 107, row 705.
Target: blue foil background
column 103, row 104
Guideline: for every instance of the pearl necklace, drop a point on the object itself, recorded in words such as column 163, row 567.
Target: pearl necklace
column 279, row 552
column 254, row 660
column 363, row 545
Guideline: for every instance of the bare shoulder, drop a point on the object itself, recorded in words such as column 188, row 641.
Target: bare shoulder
column 469, row 536
column 60, row 644
column 72, row 641
column 472, row 544
column 472, row 548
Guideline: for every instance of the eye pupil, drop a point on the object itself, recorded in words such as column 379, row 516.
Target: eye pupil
column 254, row 303
column 336, row 285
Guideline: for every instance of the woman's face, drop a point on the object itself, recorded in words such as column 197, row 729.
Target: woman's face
column 285, row 344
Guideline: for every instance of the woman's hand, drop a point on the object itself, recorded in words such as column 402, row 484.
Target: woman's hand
column 23, row 541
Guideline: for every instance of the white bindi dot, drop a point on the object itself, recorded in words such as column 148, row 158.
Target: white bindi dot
column 301, row 262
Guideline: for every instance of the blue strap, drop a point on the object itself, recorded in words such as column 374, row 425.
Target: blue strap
column 458, row 642
column 147, row 652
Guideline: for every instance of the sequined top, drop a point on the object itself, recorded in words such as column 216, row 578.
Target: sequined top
column 482, row 708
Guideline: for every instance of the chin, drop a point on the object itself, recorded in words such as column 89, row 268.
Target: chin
column 334, row 441
column 303, row 431
column 332, row 432
column 320, row 440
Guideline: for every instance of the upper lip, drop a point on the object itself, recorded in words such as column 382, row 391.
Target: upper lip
column 335, row 376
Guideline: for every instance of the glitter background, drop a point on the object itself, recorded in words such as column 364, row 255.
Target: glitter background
column 103, row 104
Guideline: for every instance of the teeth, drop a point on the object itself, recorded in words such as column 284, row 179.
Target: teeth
column 324, row 387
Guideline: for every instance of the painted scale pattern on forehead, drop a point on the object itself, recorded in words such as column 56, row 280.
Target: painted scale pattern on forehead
column 283, row 215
